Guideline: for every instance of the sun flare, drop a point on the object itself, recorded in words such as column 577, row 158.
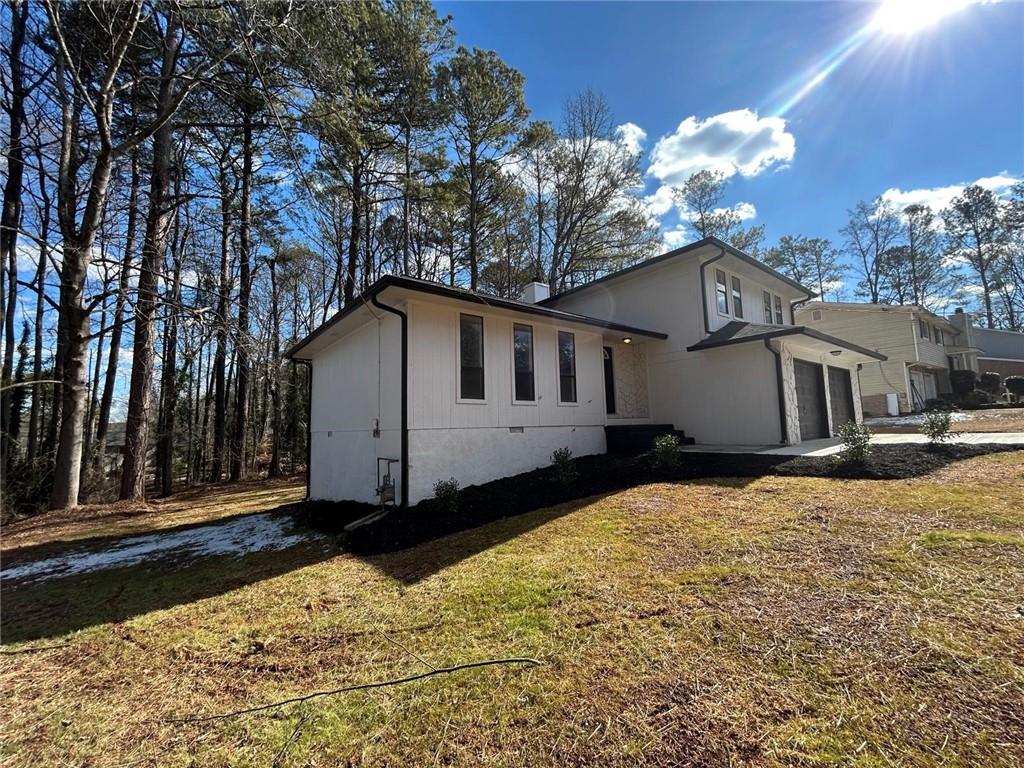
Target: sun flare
column 905, row 17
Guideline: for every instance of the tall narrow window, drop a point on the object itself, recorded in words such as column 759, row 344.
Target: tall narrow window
column 939, row 337
column 767, row 306
column 471, row 357
column 778, row 311
column 925, row 330
column 566, row 367
column 522, row 360
column 737, row 298
column 722, row 291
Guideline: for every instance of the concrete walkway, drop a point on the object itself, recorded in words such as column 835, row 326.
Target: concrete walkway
column 831, row 445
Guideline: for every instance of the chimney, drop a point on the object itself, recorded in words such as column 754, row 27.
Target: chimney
column 534, row 292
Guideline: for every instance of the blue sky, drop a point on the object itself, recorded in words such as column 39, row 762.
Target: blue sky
column 911, row 114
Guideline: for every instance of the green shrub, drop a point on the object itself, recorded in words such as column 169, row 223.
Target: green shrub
column 1015, row 385
column 666, row 451
column 937, row 426
column 963, row 382
column 565, row 467
column 447, row 494
column 856, row 442
column 976, row 399
column 991, row 382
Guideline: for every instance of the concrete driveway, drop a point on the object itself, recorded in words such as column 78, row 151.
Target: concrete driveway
column 831, row 445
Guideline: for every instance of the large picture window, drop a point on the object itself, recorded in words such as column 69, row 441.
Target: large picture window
column 471, row 357
column 522, row 362
column 566, row 367
column 722, row 292
column 767, row 306
column 737, row 298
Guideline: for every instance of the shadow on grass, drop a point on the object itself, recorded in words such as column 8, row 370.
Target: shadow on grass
column 61, row 588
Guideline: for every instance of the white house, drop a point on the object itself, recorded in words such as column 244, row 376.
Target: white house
column 445, row 382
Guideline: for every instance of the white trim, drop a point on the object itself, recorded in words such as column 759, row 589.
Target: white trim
column 458, row 358
column 533, row 362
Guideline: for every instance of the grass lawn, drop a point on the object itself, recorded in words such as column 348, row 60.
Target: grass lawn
column 993, row 420
column 779, row 621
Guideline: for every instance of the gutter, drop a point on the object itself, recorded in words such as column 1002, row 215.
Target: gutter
column 405, row 395
column 782, row 394
column 704, row 289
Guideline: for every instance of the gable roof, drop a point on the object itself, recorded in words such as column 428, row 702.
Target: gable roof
column 684, row 251
column 464, row 294
column 738, row 332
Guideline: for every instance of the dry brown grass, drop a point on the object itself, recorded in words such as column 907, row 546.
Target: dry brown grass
column 1002, row 420
column 198, row 505
column 774, row 622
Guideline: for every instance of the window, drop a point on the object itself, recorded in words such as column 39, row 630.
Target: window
column 816, row 314
column 737, row 298
column 778, row 311
column 767, row 306
column 925, row 330
column 471, row 357
column 939, row 337
column 722, row 292
column 566, row 367
column 522, row 362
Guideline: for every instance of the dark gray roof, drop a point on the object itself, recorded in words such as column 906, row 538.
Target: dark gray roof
column 1005, row 345
column 689, row 248
column 737, row 332
column 463, row 294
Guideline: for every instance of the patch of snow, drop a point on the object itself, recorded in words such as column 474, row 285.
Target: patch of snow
column 237, row 536
column 913, row 420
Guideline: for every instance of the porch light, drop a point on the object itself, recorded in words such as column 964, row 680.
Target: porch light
column 836, row 352
column 627, row 340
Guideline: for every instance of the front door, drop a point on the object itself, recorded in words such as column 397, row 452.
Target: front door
column 609, row 381
column 840, row 394
column 810, row 399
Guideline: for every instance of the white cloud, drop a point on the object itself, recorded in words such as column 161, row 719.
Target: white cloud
column 731, row 142
column 659, row 202
column 939, row 197
column 743, row 211
column 674, row 238
column 632, row 136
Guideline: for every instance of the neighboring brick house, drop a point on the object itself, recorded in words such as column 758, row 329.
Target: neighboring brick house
column 987, row 349
column 917, row 344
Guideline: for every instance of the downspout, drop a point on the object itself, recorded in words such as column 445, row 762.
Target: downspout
column 782, row 391
column 405, row 395
column 704, row 290
column 309, row 424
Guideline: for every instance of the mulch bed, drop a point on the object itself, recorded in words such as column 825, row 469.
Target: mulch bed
column 509, row 496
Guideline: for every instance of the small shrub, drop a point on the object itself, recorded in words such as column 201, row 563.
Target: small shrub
column 447, row 494
column 937, row 404
column 991, row 382
column 1015, row 386
column 976, row 399
column 963, row 382
column 937, row 426
column 565, row 467
column 856, row 442
column 666, row 451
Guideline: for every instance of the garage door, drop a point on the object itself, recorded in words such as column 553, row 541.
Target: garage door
column 922, row 387
column 840, row 395
column 810, row 399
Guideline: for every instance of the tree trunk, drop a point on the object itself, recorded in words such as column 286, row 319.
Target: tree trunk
column 274, row 373
column 354, row 232
column 244, row 288
column 473, row 203
column 136, row 443
column 220, row 356
column 36, row 411
column 169, row 391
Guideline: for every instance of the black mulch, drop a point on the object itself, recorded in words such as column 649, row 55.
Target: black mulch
column 515, row 495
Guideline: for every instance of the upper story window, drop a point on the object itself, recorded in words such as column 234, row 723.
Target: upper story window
column 522, row 363
column 767, row 306
column 924, row 329
column 940, row 337
column 721, row 292
column 779, row 319
column 737, row 298
column 471, row 357
column 566, row 367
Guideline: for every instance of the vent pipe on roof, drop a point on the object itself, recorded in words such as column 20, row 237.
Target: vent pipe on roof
column 535, row 292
